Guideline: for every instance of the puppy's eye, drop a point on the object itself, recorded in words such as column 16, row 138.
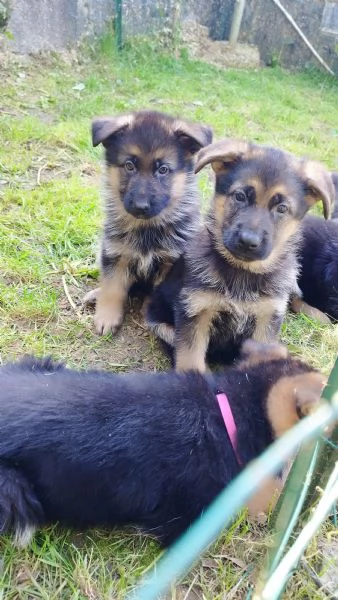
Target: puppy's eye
column 163, row 170
column 240, row 196
column 129, row 166
column 282, row 208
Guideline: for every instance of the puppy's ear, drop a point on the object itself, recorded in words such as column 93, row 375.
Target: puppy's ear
column 222, row 154
column 104, row 127
column 293, row 397
column 192, row 136
column 318, row 185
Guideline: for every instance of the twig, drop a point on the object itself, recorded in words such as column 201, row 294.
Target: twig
column 39, row 173
column 139, row 324
column 69, row 298
column 190, row 587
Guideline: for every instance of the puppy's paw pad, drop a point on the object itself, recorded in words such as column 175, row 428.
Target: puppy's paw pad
column 308, row 393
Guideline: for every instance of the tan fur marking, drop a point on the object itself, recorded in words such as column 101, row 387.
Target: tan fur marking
column 167, row 155
column 254, row 182
column 254, row 353
column 202, row 300
column 193, row 358
column 219, row 209
column 132, row 150
column 164, row 332
column 265, row 498
column 297, row 305
column 288, row 394
column 265, row 310
column 114, row 180
column 262, row 308
column 111, row 298
column 263, row 194
column 177, row 188
column 276, row 189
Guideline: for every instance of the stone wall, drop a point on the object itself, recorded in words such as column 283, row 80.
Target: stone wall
column 54, row 24
column 265, row 25
column 36, row 25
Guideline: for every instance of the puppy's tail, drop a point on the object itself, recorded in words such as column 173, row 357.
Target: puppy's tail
column 20, row 511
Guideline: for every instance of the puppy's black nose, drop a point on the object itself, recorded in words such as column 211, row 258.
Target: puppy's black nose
column 140, row 208
column 249, row 240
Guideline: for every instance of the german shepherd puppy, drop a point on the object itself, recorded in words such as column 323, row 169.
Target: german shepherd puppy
column 318, row 257
column 151, row 201
column 236, row 279
column 97, row 449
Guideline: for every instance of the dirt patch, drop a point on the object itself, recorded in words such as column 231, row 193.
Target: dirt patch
column 219, row 53
column 132, row 348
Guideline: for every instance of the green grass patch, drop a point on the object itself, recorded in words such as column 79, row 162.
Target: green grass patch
column 50, row 215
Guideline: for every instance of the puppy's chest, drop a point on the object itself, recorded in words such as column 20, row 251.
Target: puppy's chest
column 242, row 296
column 144, row 243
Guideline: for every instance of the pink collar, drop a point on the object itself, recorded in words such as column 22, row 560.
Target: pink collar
column 229, row 421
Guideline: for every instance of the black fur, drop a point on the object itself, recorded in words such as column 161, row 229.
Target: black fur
column 318, row 256
column 98, row 449
column 318, row 279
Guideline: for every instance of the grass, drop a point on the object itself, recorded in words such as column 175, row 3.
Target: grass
column 49, row 221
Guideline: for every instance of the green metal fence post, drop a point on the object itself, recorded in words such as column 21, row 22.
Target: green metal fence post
column 118, row 23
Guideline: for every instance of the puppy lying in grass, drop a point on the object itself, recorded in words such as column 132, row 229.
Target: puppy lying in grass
column 97, row 449
column 318, row 257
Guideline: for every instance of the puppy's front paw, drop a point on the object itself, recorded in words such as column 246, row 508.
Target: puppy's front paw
column 108, row 318
column 90, row 297
column 308, row 391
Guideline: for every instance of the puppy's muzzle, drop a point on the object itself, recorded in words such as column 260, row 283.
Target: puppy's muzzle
column 247, row 244
column 140, row 208
column 138, row 205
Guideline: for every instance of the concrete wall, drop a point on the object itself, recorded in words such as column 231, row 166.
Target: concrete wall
column 265, row 25
column 54, row 24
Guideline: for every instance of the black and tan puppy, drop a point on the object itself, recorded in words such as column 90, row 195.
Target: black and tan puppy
column 151, row 202
column 96, row 449
column 236, row 279
column 318, row 258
